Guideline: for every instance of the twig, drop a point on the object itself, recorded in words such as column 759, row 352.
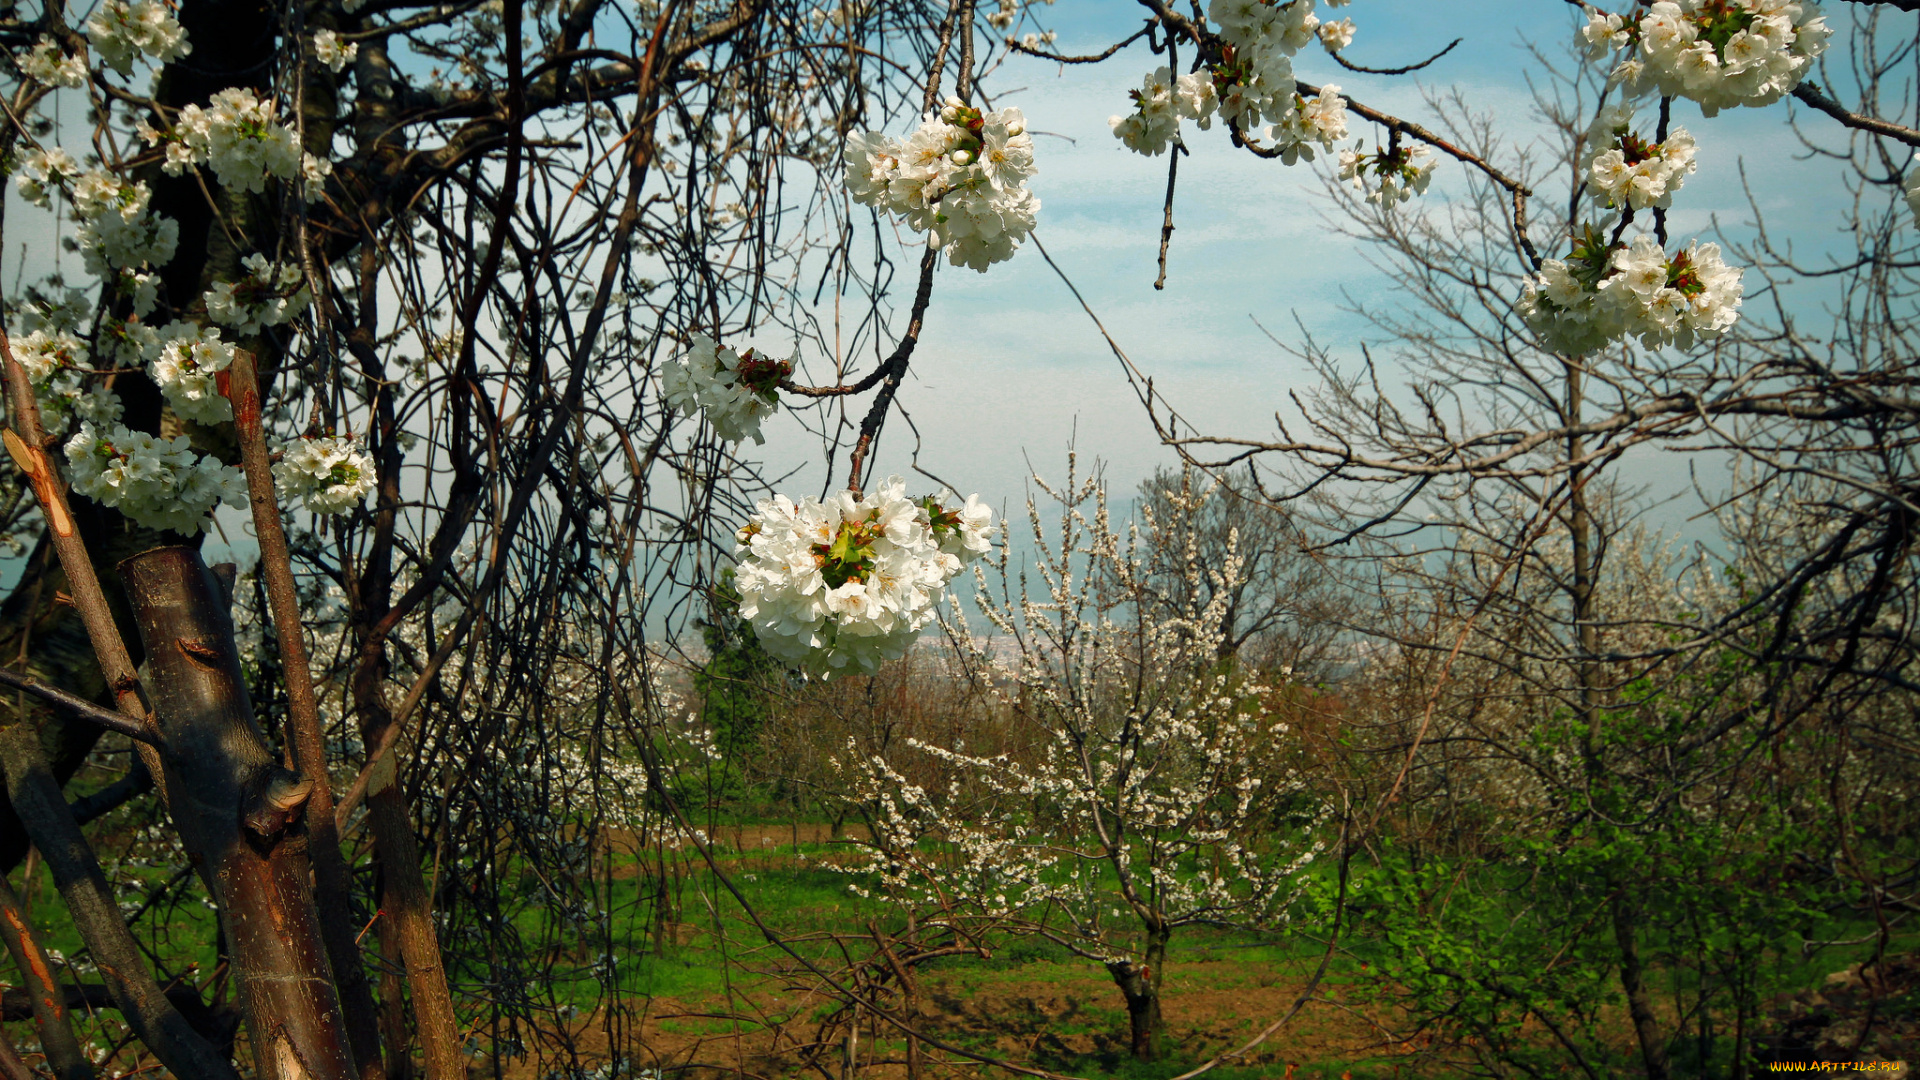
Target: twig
column 1342, row 61
column 1810, row 93
column 80, row 708
column 1091, row 58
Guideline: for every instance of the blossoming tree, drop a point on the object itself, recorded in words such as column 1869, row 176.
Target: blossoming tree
column 1154, row 801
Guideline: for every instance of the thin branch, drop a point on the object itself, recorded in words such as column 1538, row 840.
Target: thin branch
column 1811, row 94
column 1342, row 61
column 80, row 708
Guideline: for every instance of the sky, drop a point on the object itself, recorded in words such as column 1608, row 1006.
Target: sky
column 1010, row 371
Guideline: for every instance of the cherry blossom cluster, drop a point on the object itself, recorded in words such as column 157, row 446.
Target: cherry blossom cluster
column 50, row 64
column 119, row 230
column 43, row 171
column 187, row 361
column 1160, row 104
column 237, row 135
column 736, row 391
column 269, row 295
column 56, row 365
column 1718, row 53
column 847, row 584
column 1319, row 119
column 1624, row 169
column 1252, row 84
column 1254, row 78
column 960, row 178
column 331, row 51
column 123, row 29
column 329, row 474
column 156, row 482
column 1389, row 176
column 1601, row 293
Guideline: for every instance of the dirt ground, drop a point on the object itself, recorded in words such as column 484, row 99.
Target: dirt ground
column 1068, row 1020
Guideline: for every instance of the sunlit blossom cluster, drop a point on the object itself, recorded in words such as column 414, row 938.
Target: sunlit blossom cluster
column 1252, row 85
column 50, row 64
column 56, row 365
column 1389, row 176
column 156, row 482
column 1160, row 104
column 1320, row 119
column 960, row 178
column 123, row 29
column 1602, row 293
column 1624, row 169
column 1254, row 78
column 1911, row 187
column 187, row 361
column 735, row 391
column 328, row 474
column 42, row 171
column 119, row 230
column 1719, row 53
column 846, row 584
column 238, row 137
column 269, row 294
column 331, row 51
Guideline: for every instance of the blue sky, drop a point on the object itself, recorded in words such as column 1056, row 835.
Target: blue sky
column 1010, row 370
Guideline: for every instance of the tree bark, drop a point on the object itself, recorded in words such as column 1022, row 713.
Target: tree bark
column 1140, row 985
column 1646, row 1026
column 332, row 882
column 234, row 806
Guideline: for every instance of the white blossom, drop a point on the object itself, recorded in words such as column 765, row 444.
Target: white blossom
column 1160, row 104
column 1320, row 119
column 1912, row 188
column 56, row 364
column 50, row 64
column 736, row 391
column 118, row 230
column 1389, row 177
column 1625, row 170
column 186, row 362
column 1604, row 33
column 329, row 50
column 1723, row 53
column 40, row 169
column 1336, row 35
column 847, row 584
column 237, row 135
column 120, row 30
column 269, row 295
column 313, row 176
column 960, row 178
column 156, row 482
column 1601, row 294
column 330, row 475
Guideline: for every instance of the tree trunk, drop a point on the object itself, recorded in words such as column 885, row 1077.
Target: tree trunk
column 238, row 813
column 331, row 878
column 1653, row 1046
column 1140, row 986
